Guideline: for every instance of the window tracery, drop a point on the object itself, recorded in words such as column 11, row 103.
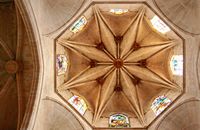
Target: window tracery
column 159, row 25
column 119, row 121
column 159, row 104
column 79, row 25
column 61, row 64
column 176, row 64
column 118, row 11
column 78, row 103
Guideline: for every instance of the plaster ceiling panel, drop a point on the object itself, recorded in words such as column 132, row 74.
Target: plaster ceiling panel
column 149, row 91
column 9, row 105
column 159, row 63
column 121, row 21
column 183, row 13
column 54, row 14
column 177, row 120
column 79, row 62
column 8, row 31
column 118, row 104
column 89, row 34
column 4, row 56
column 88, row 90
column 56, row 117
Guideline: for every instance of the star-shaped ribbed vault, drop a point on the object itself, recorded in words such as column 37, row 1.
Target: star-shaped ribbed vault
column 117, row 67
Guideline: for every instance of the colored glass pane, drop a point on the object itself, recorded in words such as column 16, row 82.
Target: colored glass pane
column 119, row 121
column 159, row 104
column 118, row 11
column 61, row 64
column 176, row 64
column 78, row 25
column 159, row 25
column 78, row 103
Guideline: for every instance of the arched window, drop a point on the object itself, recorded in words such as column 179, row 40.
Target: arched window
column 176, row 64
column 118, row 121
column 159, row 104
column 61, row 64
column 159, row 25
column 118, row 11
column 78, row 103
column 78, row 25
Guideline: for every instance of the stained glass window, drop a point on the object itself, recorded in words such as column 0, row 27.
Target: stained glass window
column 61, row 64
column 119, row 121
column 118, row 11
column 159, row 25
column 176, row 64
column 78, row 103
column 78, row 25
column 159, row 104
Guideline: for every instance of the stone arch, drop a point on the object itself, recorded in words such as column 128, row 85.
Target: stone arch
column 182, row 13
column 55, row 116
column 185, row 116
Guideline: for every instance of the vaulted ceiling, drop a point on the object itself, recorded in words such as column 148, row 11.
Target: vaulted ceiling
column 118, row 64
column 17, row 67
column 33, row 31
